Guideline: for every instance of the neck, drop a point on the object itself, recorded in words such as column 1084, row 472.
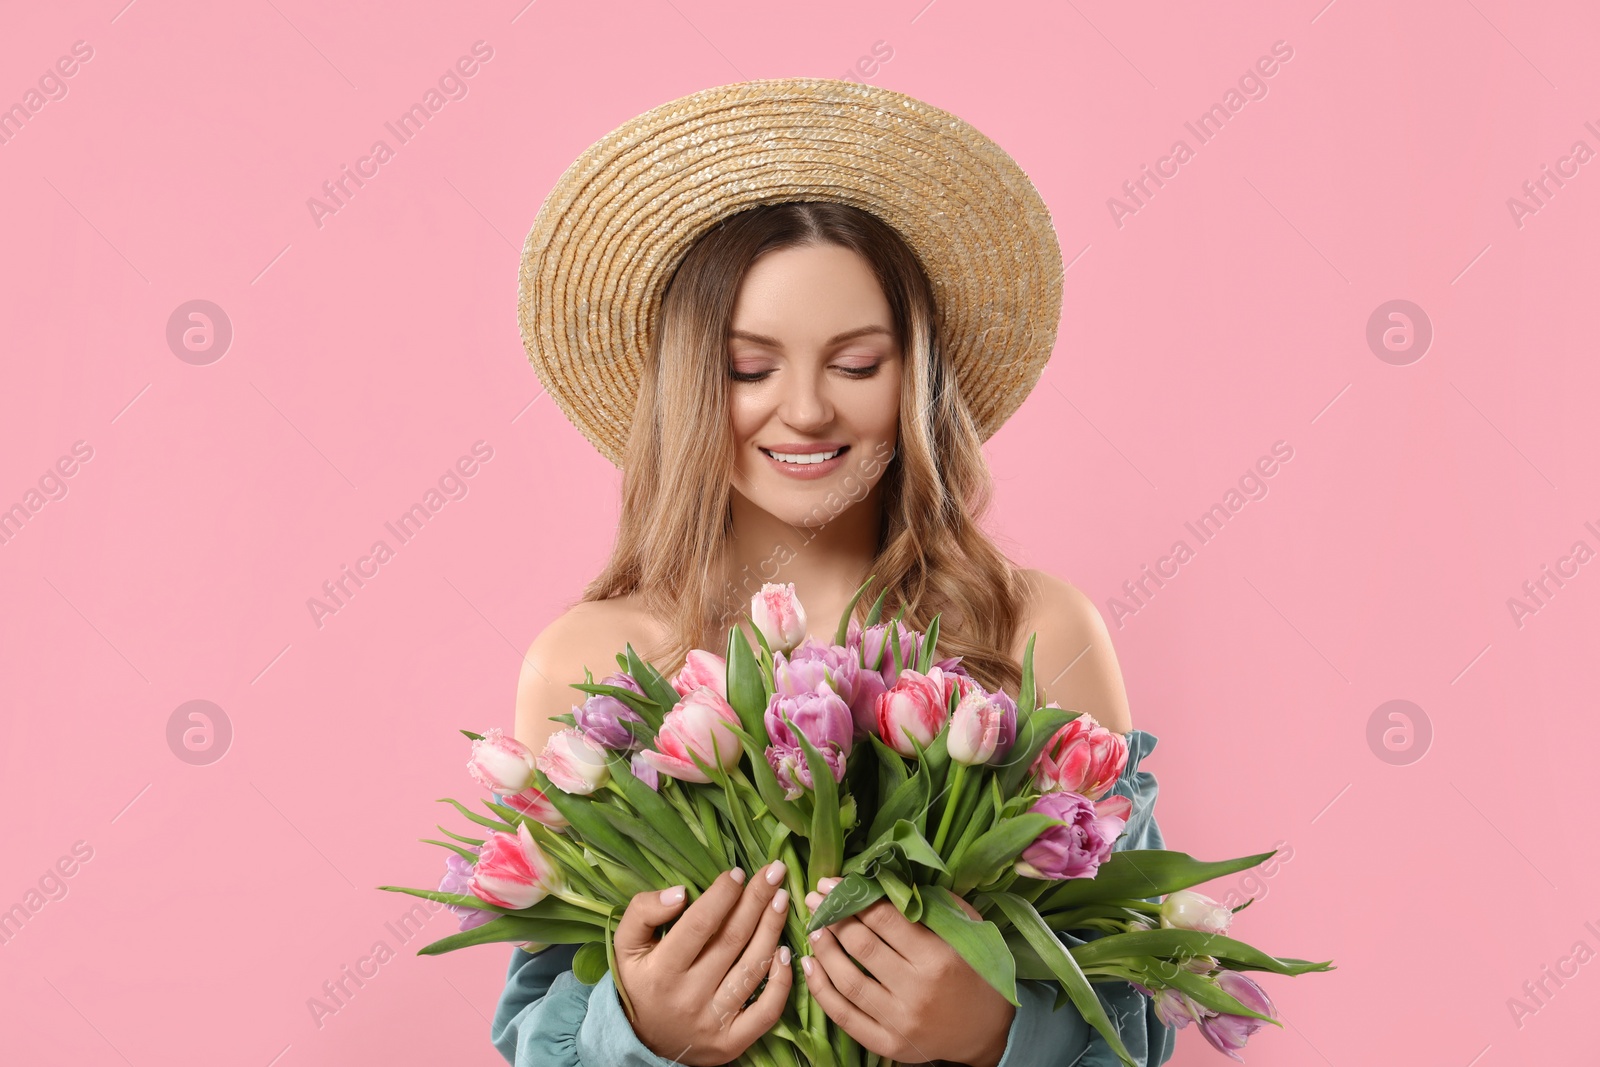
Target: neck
column 826, row 560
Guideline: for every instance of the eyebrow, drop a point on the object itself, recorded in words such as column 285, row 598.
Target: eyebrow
column 772, row 342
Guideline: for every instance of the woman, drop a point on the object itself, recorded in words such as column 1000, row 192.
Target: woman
column 809, row 407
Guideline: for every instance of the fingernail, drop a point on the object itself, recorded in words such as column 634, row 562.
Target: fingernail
column 805, row 964
column 775, row 872
column 812, row 900
column 780, row 900
column 673, row 895
column 738, row 875
column 828, row 883
column 816, row 935
column 783, row 955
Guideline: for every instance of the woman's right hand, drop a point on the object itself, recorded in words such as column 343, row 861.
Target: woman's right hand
column 689, row 987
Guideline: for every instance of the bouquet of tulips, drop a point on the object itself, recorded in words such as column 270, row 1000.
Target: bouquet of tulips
column 870, row 761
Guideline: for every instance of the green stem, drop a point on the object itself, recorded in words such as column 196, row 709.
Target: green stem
column 957, row 778
column 583, row 902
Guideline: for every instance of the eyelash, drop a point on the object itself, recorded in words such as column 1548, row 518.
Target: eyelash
column 854, row 372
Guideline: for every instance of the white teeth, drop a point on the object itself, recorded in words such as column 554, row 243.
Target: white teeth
column 813, row 457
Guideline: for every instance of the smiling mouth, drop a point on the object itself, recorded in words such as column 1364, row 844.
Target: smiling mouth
column 805, row 458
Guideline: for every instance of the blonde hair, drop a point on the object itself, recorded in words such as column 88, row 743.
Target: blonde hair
column 675, row 526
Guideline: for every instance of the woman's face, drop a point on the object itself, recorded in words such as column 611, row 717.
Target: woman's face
column 814, row 368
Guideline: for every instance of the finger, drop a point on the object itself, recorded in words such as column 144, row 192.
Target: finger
column 870, row 950
column 850, row 981
column 746, row 974
column 636, row 932
column 851, row 1019
column 741, row 923
column 763, row 1015
column 700, row 921
column 909, row 939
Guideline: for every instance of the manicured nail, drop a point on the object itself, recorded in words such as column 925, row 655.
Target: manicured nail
column 775, row 872
column 817, row 935
column 805, row 964
column 828, row 883
column 673, row 895
column 780, row 900
column 783, row 955
column 812, row 900
column 738, row 875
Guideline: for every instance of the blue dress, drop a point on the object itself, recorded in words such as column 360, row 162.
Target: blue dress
column 547, row 1018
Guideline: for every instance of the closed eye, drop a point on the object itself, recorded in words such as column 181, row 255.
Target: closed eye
column 852, row 372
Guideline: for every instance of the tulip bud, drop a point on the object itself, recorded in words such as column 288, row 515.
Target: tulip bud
column 574, row 763
column 777, row 613
column 536, row 806
column 457, row 877
column 1076, row 849
column 501, row 764
column 975, row 727
column 913, row 708
column 1185, row 909
column 1229, row 1033
column 1083, row 757
column 702, row 668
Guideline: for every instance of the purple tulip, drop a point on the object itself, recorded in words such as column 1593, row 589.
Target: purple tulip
column 1228, row 1033
column 622, row 680
column 1076, row 849
column 645, row 773
column 601, row 718
column 873, row 642
column 457, row 876
column 824, row 719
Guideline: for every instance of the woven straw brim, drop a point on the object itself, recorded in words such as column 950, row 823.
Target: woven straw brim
column 619, row 221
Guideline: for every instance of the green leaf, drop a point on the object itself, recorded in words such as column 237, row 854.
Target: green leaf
column 893, row 640
column 979, row 942
column 903, row 838
column 1209, row 994
column 1027, row 695
column 876, row 611
column 827, row 837
column 475, row 737
column 515, row 928
column 648, row 709
column 897, row 889
column 1032, row 736
column 908, row 801
column 667, row 833
column 1188, row 943
column 842, row 633
column 592, row 828
column 997, row 847
column 476, row 842
column 591, row 962
column 548, row 908
column 469, row 856
column 745, row 692
column 655, row 687
column 693, row 868
column 481, row 820
column 853, row 893
column 1143, row 873
column 930, row 638
column 767, row 787
column 1066, row 969
column 509, row 815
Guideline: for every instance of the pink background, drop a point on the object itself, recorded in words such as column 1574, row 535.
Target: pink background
column 1230, row 312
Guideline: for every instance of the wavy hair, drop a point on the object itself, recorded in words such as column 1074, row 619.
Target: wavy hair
column 675, row 525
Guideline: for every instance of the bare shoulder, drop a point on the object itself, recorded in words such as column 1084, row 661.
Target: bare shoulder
column 587, row 635
column 1073, row 661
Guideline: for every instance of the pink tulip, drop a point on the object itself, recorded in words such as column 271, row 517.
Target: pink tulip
column 975, row 728
column 574, row 762
column 1083, row 757
column 702, row 668
column 913, row 708
column 499, row 763
column 1184, row 909
column 513, row 872
column 536, row 806
column 698, row 724
column 777, row 613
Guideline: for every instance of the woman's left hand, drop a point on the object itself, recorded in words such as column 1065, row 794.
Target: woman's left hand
column 921, row 1002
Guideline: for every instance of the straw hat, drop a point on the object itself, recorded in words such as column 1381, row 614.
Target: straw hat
column 618, row 222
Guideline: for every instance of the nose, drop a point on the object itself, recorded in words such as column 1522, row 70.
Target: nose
column 805, row 404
